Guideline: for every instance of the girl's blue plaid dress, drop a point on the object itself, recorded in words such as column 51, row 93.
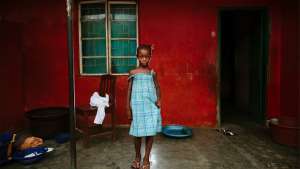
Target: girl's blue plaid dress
column 146, row 118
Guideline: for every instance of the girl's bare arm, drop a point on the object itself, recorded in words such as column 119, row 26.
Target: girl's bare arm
column 129, row 113
column 158, row 93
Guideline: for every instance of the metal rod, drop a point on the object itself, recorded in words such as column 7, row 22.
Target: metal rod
column 71, row 84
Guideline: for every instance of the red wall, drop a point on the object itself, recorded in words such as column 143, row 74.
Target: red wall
column 290, row 61
column 11, row 72
column 43, row 79
column 185, row 56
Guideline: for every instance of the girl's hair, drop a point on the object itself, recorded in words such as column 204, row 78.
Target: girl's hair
column 147, row 47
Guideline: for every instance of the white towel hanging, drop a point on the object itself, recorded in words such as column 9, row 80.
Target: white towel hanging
column 100, row 102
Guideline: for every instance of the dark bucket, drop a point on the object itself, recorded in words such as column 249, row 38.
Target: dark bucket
column 46, row 123
column 285, row 135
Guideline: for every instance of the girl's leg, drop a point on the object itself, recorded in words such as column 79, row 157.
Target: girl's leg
column 137, row 145
column 149, row 142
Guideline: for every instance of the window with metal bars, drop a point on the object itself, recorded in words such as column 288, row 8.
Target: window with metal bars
column 108, row 37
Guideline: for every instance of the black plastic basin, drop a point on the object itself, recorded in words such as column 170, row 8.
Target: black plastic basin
column 46, row 123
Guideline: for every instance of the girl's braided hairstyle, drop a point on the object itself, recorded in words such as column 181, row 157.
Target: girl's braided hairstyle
column 147, row 47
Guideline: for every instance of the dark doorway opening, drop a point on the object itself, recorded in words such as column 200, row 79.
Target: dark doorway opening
column 243, row 48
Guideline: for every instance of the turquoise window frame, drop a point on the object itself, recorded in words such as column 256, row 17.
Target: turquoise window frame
column 116, row 53
column 93, row 38
column 123, row 36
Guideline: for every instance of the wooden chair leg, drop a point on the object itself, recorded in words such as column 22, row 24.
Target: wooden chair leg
column 113, row 127
column 86, row 137
column 86, row 141
column 113, row 135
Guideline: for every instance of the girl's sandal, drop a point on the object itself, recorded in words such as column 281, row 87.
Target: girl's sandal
column 146, row 166
column 135, row 164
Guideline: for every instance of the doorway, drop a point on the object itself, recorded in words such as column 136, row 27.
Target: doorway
column 243, row 47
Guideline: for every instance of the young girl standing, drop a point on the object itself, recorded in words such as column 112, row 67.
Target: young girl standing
column 143, row 106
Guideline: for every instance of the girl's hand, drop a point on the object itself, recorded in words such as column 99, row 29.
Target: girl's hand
column 158, row 103
column 129, row 115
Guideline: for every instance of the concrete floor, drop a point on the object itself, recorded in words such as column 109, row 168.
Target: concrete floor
column 251, row 148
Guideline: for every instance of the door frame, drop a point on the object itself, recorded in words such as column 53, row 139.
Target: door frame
column 266, row 27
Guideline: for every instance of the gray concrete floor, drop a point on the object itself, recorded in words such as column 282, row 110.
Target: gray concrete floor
column 250, row 148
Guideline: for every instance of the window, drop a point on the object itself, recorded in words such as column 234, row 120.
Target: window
column 108, row 37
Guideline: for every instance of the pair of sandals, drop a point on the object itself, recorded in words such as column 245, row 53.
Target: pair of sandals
column 137, row 165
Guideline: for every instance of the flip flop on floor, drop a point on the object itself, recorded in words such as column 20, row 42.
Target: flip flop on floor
column 146, row 166
column 135, row 164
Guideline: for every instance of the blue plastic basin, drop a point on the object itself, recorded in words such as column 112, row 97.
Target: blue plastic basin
column 177, row 131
